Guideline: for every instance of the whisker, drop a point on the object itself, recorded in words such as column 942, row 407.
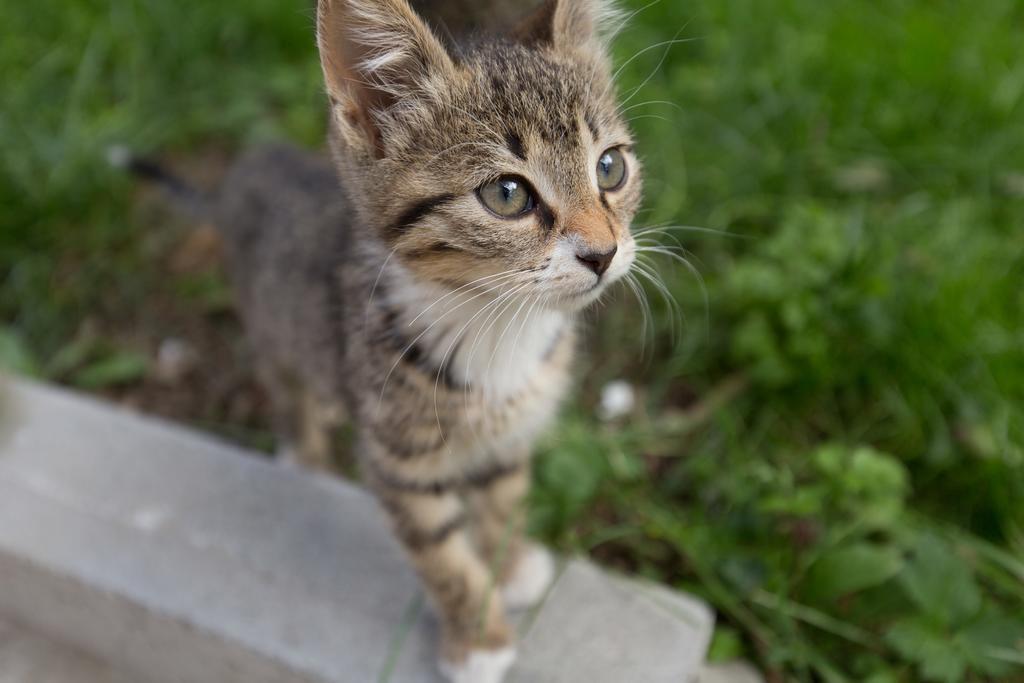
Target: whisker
column 675, row 311
column 674, row 41
column 448, row 150
column 628, row 18
column 664, row 251
column 656, row 68
column 647, row 229
column 446, row 313
column 491, row 278
column 650, row 241
column 455, row 339
column 515, row 340
column 650, row 102
column 677, row 253
column 497, row 311
column 485, row 327
column 647, row 116
column 696, row 275
column 501, row 337
column 469, row 359
column 645, row 309
column 373, row 290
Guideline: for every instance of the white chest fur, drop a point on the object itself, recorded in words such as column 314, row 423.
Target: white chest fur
column 496, row 343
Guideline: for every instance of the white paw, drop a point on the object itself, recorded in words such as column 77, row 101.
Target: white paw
column 481, row 666
column 530, row 578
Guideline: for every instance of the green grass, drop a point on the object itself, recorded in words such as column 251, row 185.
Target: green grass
column 852, row 499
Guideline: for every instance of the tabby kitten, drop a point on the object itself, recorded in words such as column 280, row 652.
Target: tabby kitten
column 486, row 192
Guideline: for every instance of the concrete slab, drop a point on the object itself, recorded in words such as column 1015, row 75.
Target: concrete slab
column 180, row 558
column 26, row 657
column 642, row 632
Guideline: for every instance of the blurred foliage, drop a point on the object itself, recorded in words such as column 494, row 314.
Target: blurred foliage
column 832, row 451
column 854, row 170
column 83, row 76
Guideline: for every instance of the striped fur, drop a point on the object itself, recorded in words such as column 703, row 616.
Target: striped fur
column 444, row 332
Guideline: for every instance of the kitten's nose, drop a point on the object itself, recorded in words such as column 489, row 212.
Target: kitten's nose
column 597, row 261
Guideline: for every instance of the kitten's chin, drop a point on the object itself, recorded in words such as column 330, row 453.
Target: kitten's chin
column 577, row 300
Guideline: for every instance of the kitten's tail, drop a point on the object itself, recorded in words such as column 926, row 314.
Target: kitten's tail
column 184, row 197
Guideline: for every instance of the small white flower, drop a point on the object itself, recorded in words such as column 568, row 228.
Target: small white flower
column 617, row 399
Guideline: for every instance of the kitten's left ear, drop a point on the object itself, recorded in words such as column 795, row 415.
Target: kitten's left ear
column 572, row 25
column 374, row 53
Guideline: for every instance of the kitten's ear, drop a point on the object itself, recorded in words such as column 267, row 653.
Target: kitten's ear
column 571, row 25
column 373, row 54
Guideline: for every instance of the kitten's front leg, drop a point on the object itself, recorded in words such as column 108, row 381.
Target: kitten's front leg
column 498, row 501
column 476, row 641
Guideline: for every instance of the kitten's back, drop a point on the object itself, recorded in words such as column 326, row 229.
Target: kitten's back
column 285, row 223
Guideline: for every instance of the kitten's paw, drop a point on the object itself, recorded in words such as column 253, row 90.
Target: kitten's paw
column 529, row 579
column 481, row 666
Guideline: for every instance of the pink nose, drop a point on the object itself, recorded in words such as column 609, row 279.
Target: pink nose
column 597, row 261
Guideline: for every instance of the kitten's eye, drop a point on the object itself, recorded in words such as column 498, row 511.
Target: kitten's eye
column 508, row 196
column 611, row 170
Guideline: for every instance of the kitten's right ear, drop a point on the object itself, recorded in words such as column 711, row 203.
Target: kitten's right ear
column 373, row 54
column 571, row 25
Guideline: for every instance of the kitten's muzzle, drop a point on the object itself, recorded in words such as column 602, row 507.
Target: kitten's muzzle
column 595, row 260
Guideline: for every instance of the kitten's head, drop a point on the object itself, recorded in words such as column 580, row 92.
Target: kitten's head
column 505, row 162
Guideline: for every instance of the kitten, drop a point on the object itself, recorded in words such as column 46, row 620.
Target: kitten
column 486, row 192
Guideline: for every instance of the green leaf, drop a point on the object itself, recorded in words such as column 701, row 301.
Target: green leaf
column 926, row 644
column 726, row 644
column 991, row 634
column 744, row 574
column 876, row 474
column 71, row 356
column 15, row 356
column 850, row 569
column 572, row 471
column 940, row 583
column 117, row 368
column 883, row 677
